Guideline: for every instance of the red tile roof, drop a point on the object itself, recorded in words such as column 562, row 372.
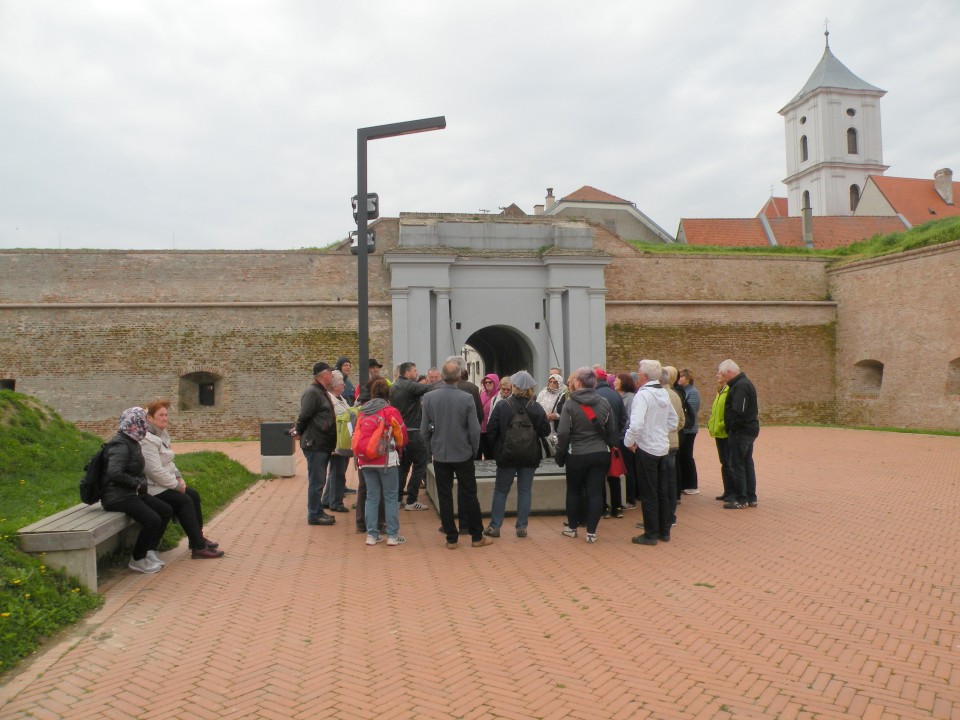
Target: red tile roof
column 775, row 207
column 591, row 194
column 724, row 232
column 916, row 199
column 828, row 231
column 831, row 231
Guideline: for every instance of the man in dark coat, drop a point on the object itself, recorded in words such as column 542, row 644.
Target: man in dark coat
column 317, row 429
column 740, row 415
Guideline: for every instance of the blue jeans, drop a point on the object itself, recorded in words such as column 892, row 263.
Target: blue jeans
column 317, row 461
column 381, row 480
column 336, row 480
column 501, row 489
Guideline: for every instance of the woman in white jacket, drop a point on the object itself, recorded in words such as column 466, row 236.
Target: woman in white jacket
column 166, row 483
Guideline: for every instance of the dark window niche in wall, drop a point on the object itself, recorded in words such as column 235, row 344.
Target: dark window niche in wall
column 199, row 390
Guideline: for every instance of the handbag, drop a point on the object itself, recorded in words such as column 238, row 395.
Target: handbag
column 617, row 466
column 548, row 446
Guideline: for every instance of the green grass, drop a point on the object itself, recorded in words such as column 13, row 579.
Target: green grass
column 932, row 233
column 41, row 463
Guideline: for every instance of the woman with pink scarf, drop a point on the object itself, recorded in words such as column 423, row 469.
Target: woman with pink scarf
column 489, row 389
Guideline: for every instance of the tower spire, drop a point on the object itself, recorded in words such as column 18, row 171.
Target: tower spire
column 826, row 32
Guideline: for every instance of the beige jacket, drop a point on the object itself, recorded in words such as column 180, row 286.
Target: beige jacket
column 678, row 408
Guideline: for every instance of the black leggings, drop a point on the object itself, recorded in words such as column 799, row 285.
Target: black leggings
column 186, row 508
column 151, row 513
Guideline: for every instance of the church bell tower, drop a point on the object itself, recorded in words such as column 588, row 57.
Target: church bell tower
column 833, row 139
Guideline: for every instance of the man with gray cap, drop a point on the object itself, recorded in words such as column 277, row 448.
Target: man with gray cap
column 317, row 429
column 514, row 431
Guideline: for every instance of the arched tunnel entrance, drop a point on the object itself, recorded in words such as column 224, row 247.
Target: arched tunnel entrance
column 502, row 350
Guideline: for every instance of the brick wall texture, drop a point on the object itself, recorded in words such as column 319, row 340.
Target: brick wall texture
column 94, row 332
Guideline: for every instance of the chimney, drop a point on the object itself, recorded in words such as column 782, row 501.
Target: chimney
column 943, row 182
column 806, row 222
column 538, row 209
column 550, row 201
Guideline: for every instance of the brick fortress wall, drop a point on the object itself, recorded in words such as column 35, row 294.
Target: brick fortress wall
column 901, row 311
column 260, row 319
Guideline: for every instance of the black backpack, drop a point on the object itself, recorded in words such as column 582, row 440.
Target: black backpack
column 91, row 485
column 521, row 446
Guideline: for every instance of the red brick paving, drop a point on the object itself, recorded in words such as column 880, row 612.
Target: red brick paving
column 838, row 597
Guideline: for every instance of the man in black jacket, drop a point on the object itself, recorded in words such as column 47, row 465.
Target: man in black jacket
column 743, row 426
column 317, row 429
column 405, row 395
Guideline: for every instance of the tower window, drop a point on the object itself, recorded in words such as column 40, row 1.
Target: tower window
column 803, row 149
column 806, row 200
column 803, row 120
column 854, row 197
column 851, row 112
column 852, row 141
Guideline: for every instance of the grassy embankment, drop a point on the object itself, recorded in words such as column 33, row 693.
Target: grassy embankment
column 41, row 463
column 931, row 233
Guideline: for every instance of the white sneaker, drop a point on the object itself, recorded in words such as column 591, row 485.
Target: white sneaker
column 415, row 506
column 398, row 540
column 152, row 556
column 144, row 565
column 691, row 491
column 591, row 538
column 374, row 539
column 569, row 531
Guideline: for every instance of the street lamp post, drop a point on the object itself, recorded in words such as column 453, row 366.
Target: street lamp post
column 363, row 135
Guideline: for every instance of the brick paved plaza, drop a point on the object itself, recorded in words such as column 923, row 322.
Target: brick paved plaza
column 838, row 597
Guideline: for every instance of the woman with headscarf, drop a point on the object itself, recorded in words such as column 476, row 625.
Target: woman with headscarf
column 489, row 390
column 125, row 489
column 549, row 399
column 166, row 483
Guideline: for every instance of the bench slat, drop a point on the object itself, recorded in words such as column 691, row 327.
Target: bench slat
column 78, row 527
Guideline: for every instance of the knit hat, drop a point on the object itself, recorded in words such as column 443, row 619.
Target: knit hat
column 320, row 367
column 523, row 380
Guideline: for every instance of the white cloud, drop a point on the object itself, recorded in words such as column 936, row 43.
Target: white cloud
column 233, row 124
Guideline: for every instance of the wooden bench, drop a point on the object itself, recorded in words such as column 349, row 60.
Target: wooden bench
column 74, row 538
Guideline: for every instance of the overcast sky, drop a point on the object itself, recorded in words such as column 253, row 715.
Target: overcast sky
column 232, row 124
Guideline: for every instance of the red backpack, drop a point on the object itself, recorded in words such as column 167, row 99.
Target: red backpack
column 372, row 436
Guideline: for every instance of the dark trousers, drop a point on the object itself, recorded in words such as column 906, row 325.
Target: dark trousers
column 686, row 465
column 467, row 503
column 724, row 467
column 629, row 462
column 152, row 514
column 669, row 468
column 742, row 473
column 586, row 473
column 336, row 484
column 414, row 457
column 654, row 495
column 361, row 505
column 186, row 509
column 614, row 493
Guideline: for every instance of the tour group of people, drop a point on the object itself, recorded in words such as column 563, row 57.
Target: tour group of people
column 635, row 429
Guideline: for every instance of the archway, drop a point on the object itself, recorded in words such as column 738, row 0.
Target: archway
column 502, row 349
